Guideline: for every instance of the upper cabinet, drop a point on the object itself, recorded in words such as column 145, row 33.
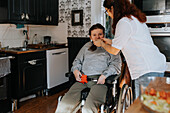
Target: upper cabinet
column 48, row 12
column 3, row 11
column 41, row 12
column 23, row 11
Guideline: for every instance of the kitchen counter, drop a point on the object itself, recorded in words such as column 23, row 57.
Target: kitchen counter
column 31, row 48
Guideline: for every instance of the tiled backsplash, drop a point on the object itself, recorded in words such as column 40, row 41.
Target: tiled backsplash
column 13, row 37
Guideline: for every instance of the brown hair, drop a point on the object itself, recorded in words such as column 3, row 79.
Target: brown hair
column 123, row 8
column 95, row 26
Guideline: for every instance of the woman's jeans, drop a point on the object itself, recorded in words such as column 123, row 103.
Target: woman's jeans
column 143, row 80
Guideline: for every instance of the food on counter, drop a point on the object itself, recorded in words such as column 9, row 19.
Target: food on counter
column 158, row 101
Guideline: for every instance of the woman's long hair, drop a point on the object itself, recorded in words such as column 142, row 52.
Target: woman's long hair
column 123, row 8
column 95, row 26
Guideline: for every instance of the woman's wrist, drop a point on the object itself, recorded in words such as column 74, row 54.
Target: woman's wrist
column 102, row 44
column 110, row 42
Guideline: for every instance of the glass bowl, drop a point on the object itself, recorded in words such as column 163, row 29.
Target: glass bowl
column 155, row 94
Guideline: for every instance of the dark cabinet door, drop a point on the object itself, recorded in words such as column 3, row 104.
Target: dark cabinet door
column 48, row 12
column 3, row 11
column 53, row 11
column 33, row 77
column 28, row 74
column 31, row 11
column 43, row 12
column 23, row 11
column 16, row 10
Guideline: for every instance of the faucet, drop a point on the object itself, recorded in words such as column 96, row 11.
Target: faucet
column 25, row 43
column 25, row 32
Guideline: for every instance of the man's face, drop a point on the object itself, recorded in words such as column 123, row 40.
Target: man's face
column 96, row 34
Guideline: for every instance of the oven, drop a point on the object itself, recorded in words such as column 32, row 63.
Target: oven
column 161, row 37
column 5, row 89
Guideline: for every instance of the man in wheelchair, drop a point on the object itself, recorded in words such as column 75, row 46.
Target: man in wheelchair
column 91, row 67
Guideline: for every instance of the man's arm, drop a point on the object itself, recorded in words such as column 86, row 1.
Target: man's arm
column 114, row 65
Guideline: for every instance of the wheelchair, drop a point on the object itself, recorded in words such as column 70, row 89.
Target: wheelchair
column 117, row 100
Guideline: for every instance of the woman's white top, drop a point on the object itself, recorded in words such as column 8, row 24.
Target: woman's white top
column 134, row 40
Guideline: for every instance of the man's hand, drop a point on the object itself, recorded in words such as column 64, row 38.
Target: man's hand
column 101, row 79
column 77, row 75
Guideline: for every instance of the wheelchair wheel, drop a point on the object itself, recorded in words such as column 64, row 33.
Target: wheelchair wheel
column 125, row 99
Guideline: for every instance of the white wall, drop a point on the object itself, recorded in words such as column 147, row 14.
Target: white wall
column 97, row 12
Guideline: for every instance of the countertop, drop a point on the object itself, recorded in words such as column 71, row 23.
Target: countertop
column 32, row 48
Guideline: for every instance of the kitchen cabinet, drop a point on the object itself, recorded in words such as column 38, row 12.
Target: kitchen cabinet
column 48, row 12
column 23, row 11
column 41, row 12
column 28, row 74
column 3, row 11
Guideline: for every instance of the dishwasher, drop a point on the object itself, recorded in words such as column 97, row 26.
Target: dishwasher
column 57, row 66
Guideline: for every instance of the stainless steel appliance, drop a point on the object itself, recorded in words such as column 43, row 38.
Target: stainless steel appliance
column 161, row 38
column 153, row 7
column 156, row 10
column 57, row 66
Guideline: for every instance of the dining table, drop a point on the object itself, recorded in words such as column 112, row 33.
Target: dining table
column 159, row 83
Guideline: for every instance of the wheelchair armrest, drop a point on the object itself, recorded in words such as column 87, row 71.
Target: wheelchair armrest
column 71, row 77
column 69, row 74
column 111, row 78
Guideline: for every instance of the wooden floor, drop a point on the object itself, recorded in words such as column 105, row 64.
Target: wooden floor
column 43, row 104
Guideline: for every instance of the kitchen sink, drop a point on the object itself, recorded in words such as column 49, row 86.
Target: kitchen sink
column 21, row 49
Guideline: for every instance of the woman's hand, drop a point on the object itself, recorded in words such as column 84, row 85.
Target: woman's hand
column 98, row 42
column 107, row 41
column 101, row 79
column 77, row 75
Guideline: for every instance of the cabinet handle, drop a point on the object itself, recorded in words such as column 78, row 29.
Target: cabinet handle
column 50, row 18
column 47, row 18
column 32, row 62
column 22, row 16
column 27, row 17
column 58, row 53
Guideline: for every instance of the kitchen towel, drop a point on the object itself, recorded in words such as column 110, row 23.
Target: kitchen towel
column 5, row 67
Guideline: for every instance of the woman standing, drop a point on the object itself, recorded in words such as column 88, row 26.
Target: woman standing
column 133, row 38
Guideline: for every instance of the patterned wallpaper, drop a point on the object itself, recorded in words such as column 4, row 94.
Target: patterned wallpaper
column 65, row 8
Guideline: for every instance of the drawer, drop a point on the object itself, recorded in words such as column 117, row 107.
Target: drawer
column 23, row 58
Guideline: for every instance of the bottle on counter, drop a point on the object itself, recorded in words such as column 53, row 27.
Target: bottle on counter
column 35, row 40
